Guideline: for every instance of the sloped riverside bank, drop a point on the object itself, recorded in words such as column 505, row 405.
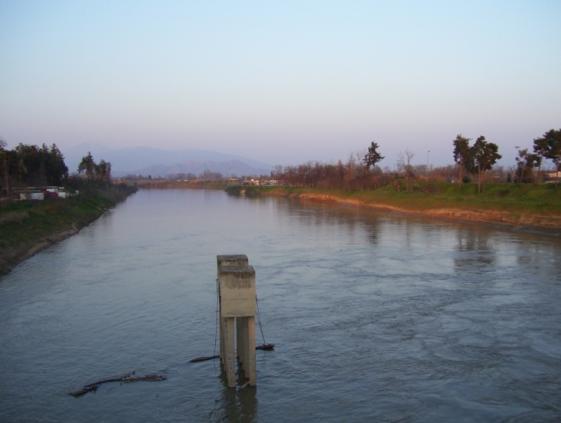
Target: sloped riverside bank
column 524, row 207
column 28, row 227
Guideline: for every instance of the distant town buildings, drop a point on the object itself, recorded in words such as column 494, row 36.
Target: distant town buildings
column 260, row 182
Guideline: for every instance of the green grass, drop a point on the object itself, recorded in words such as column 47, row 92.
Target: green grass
column 544, row 198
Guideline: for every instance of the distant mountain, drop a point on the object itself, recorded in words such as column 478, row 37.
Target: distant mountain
column 158, row 162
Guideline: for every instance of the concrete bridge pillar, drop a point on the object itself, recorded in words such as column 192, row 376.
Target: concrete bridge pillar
column 237, row 307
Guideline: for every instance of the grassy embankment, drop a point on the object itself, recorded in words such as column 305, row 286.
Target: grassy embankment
column 528, row 205
column 26, row 227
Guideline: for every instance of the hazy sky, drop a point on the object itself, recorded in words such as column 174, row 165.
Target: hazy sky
column 281, row 81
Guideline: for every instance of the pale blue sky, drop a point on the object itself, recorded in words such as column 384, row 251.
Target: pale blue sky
column 282, row 82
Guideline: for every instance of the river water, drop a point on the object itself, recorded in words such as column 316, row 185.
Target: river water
column 375, row 317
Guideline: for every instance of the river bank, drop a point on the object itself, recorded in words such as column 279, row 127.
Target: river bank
column 528, row 207
column 27, row 227
column 180, row 184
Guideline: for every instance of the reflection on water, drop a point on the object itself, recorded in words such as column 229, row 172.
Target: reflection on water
column 375, row 316
column 474, row 248
column 235, row 405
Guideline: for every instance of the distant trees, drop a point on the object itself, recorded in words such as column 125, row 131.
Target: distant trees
column 485, row 154
column 525, row 164
column 373, row 156
column 351, row 175
column 87, row 165
column 404, row 166
column 475, row 160
column 4, row 167
column 478, row 158
column 358, row 172
column 94, row 171
column 548, row 146
column 32, row 165
column 208, row 175
column 104, row 170
column 184, row 176
column 40, row 165
column 462, row 156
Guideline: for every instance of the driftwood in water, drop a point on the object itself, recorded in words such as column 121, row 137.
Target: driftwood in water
column 199, row 359
column 125, row 378
column 263, row 347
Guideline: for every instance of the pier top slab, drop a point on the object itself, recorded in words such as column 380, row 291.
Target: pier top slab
column 236, row 287
column 231, row 260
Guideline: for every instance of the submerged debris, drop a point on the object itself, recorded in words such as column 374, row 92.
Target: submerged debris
column 125, row 378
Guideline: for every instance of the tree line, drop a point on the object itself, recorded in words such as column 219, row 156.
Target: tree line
column 31, row 165
column 472, row 161
column 37, row 166
column 546, row 147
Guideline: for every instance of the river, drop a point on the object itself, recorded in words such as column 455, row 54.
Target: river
column 375, row 316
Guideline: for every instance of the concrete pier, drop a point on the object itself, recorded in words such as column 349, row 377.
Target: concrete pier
column 237, row 307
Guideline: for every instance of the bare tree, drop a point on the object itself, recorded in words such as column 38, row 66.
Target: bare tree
column 404, row 165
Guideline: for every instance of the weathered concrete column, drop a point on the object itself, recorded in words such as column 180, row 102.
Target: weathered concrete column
column 246, row 349
column 241, row 329
column 237, row 306
column 229, row 357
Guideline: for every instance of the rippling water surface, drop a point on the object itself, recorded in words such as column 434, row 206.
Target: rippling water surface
column 375, row 317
